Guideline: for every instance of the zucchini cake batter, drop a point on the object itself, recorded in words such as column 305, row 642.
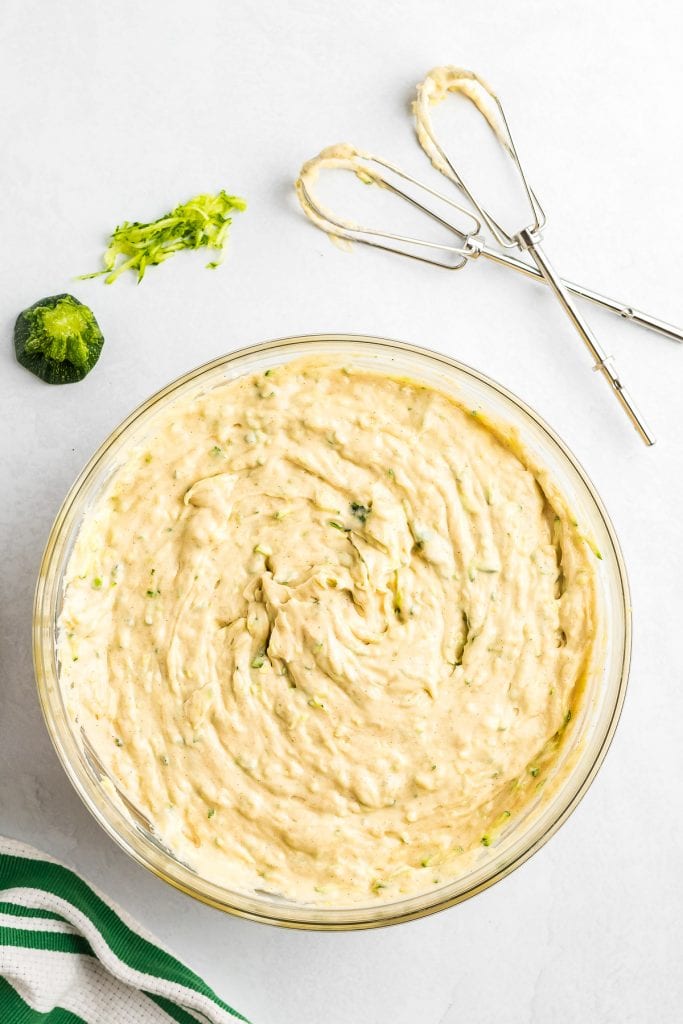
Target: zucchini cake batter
column 325, row 631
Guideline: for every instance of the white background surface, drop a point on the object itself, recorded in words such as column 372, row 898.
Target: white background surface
column 120, row 110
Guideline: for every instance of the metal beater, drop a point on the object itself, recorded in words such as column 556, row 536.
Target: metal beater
column 436, row 86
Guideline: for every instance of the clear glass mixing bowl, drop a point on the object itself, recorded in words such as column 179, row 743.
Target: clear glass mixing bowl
column 581, row 753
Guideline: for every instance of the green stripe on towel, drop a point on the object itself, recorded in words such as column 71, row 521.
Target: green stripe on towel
column 16, row 910
column 55, row 942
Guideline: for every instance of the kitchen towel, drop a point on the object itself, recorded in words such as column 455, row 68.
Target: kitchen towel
column 69, row 956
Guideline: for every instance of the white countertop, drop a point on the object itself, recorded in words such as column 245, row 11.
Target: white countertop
column 119, row 111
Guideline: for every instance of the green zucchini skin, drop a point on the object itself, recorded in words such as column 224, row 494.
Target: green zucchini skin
column 58, row 339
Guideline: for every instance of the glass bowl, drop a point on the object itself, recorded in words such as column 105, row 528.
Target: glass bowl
column 580, row 754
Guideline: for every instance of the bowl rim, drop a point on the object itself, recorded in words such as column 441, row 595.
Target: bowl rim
column 344, row 920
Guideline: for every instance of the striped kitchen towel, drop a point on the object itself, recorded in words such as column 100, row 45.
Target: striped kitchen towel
column 69, row 956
